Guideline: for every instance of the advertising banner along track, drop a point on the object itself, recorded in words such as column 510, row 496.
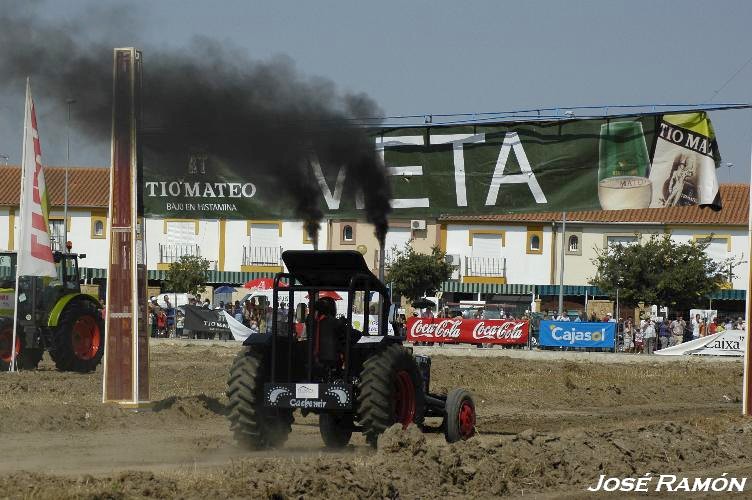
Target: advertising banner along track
column 468, row 331
column 642, row 161
column 577, row 334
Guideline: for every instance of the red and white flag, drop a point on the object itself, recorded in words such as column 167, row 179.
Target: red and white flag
column 34, row 251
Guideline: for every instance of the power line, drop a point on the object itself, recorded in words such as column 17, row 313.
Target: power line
column 729, row 80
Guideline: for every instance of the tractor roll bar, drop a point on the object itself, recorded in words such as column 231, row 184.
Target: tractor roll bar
column 362, row 279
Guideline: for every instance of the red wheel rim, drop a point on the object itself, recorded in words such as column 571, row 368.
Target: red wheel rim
column 467, row 420
column 404, row 396
column 86, row 338
column 6, row 341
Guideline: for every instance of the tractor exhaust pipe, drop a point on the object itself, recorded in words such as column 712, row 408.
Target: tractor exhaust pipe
column 382, row 260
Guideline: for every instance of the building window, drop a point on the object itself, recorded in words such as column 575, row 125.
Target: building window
column 574, row 243
column 535, row 243
column 534, row 240
column 347, row 233
column 57, row 235
column 98, row 224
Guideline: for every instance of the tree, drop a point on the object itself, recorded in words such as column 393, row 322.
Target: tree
column 187, row 275
column 415, row 275
column 660, row 271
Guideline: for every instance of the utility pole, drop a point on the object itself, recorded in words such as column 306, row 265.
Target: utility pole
column 69, row 102
column 561, row 267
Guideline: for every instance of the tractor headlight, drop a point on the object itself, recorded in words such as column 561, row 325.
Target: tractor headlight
column 28, row 317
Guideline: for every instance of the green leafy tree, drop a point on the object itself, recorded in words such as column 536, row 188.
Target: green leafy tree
column 661, row 271
column 414, row 275
column 187, row 275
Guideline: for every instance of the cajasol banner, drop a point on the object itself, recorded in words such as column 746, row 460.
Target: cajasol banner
column 653, row 160
column 577, row 334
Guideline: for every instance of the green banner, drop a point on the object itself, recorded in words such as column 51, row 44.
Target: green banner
column 577, row 164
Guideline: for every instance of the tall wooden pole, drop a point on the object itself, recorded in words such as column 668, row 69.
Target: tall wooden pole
column 126, row 357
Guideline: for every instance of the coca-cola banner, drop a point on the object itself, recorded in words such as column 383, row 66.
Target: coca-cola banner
column 468, row 331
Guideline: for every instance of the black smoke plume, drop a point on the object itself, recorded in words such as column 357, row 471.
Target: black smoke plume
column 263, row 113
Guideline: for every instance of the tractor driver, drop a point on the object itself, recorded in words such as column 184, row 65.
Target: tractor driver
column 326, row 332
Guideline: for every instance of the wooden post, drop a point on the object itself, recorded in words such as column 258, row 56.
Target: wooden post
column 126, row 355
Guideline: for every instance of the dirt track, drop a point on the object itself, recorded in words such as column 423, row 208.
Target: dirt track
column 546, row 426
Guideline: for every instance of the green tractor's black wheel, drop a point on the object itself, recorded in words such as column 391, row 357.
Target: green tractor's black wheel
column 391, row 391
column 78, row 341
column 336, row 429
column 253, row 425
column 26, row 359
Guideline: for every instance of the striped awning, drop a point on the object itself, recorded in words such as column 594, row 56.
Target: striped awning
column 508, row 289
column 729, row 295
column 92, row 272
column 568, row 290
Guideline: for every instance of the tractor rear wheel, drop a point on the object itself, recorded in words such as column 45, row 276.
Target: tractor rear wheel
column 253, row 425
column 336, row 429
column 78, row 342
column 391, row 391
column 26, row 359
column 460, row 416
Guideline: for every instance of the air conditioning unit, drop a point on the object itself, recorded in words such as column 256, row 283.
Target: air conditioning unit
column 417, row 224
column 454, row 260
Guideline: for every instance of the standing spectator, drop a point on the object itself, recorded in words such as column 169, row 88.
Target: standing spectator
column 170, row 312
column 650, row 336
column 639, row 338
column 207, row 304
column 179, row 323
column 247, row 313
column 713, row 327
column 161, row 323
column 664, row 333
column 703, row 328
column 237, row 312
column 696, row 327
column 610, row 318
column 677, row 331
column 628, row 337
column 729, row 324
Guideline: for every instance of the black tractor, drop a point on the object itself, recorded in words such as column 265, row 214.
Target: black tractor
column 357, row 379
column 53, row 315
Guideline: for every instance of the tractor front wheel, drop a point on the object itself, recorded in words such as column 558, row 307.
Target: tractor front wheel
column 78, row 342
column 336, row 429
column 459, row 423
column 26, row 359
column 253, row 425
column 391, row 391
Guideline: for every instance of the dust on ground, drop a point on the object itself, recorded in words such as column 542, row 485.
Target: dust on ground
column 545, row 426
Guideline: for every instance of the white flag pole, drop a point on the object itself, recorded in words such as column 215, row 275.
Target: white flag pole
column 24, row 152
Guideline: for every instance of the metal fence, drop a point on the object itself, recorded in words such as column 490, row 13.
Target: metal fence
column 262, row 256
column 171, row 253
column 486, row 266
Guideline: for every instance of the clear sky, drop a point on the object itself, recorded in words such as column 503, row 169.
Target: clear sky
column 431, row 57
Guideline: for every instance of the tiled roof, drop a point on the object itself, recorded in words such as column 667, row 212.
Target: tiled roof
column 735, row 212
column 87, row 186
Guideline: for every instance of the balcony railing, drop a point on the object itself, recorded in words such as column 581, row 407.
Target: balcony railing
column 171, row 253
column 262, row 256
column 486, row 266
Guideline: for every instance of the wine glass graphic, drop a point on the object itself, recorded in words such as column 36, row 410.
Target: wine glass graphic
column 623, row 166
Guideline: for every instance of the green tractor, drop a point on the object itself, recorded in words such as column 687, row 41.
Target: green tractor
column 53, row 315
